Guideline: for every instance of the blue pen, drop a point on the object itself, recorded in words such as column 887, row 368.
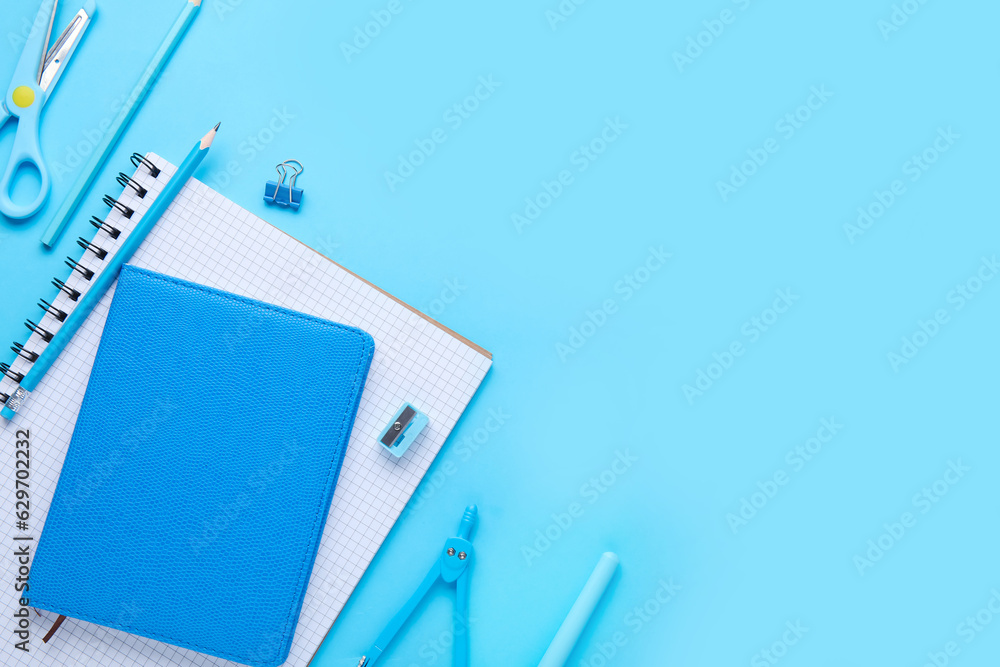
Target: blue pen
column 104, row 279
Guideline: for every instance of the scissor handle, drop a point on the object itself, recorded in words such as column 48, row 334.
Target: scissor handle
column 27, row 150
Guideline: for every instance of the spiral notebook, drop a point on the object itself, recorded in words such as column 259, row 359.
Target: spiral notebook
column 207, row 239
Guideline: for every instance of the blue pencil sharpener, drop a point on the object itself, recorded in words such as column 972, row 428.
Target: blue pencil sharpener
column 406, row 425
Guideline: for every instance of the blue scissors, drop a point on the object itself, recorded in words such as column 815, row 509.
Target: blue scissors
column 36, row 74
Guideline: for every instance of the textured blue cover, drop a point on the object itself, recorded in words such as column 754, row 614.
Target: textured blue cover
column 201, row 471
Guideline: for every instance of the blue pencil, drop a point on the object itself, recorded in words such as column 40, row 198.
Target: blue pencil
column 110, row 140
column 104, row 279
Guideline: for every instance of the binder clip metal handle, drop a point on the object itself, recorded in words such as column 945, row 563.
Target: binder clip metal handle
column 277, row 192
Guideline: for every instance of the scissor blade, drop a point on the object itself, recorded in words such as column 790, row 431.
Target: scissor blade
column 58, row 56
column 48, row 36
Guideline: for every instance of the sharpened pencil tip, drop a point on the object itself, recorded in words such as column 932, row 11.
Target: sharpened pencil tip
column 206, row 141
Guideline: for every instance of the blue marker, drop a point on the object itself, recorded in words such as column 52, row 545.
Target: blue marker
column 571, row 629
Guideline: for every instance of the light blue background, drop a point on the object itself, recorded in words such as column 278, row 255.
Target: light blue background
column 622, row 390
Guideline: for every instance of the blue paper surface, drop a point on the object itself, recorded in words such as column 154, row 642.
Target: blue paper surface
column 534, row 445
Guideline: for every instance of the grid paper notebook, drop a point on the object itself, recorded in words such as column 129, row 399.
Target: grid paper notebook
column 207, row 239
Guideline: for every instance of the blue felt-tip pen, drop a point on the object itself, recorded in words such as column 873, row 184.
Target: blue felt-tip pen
column 571, row 629
column 110, row 273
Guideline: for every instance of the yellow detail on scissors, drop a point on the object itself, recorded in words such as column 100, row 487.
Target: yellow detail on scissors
column 23, row 97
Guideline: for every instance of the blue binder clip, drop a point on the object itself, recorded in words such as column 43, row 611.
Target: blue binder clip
column 288, row 196
column 452, row 566
column 404, row 428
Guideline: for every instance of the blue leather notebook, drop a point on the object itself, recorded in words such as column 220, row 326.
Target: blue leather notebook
column 201, row 470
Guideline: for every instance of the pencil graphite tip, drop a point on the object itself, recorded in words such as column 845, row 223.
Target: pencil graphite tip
column 207, row 140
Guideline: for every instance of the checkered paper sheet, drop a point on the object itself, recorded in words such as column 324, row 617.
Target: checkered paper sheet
column 207, row 239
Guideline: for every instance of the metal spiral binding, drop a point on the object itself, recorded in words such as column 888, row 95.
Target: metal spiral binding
column 67, row 290
column 79, row 268
column 76, row 265
column 35, row 328
column 13, row 375
column 113, row 232
column 114, row 203
column 139, row 158
column 98, row 251
column 52, row 310
column 127, row 181
column 24, row 353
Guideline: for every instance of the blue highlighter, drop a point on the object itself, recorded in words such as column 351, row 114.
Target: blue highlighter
column 571, row 629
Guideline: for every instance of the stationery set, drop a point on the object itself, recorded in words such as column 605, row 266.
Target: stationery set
column 212, row 427
column 207, row 477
